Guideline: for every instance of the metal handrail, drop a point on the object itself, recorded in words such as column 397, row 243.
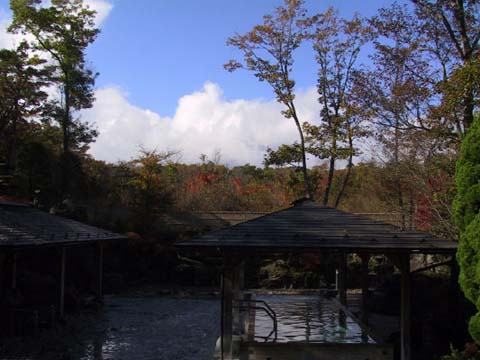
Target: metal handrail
column 268, row 310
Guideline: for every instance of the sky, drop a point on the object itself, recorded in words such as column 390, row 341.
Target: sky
column 162, row 84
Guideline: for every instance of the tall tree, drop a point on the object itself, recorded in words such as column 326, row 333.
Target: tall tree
column 22, row 78
column 63, row 30
column 337, row 43
column 268, row 52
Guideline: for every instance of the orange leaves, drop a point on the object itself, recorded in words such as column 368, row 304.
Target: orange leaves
column 232, row 65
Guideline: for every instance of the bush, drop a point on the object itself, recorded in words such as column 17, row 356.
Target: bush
column 467, row 217
column 470, row 353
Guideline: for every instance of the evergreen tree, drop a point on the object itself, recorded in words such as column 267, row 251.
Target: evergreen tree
column 63, row 30
column 467, row 216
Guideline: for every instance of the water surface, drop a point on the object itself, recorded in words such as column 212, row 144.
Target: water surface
column 309, row 319
column 129, row 328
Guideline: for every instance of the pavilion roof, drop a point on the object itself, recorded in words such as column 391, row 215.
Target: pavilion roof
column 24, row 226
column 310, row 226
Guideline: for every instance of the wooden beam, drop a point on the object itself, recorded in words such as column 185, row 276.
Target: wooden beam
column 61, row 307
column 365, row 283
column 342, row 279
column 433, row 266
column 405, row 311
column 99, row 287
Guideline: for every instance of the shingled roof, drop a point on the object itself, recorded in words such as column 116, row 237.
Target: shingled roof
column 24, row 226
column 309, row 226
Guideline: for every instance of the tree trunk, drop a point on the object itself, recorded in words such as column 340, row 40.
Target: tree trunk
column 398, row 183
column 347, row 175
column 11, row 157
column 308, row 192
column 331, row 169
column 468, row 107
column 66, row 142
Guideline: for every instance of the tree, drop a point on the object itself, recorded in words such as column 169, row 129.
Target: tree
column 149, row 181
column 337, row 43
column 268, row 52
column 395, row 96
column 63, row 31
column 455, row 25
column 467, row 216
column 290, row 155
column 22, row 78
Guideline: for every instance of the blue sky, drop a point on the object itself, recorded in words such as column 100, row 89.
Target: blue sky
column 162, row 84
column 158, row 51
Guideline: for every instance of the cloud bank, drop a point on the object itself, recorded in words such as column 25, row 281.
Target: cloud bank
column 204, row 122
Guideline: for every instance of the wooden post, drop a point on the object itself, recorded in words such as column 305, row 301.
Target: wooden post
column 227, row 302
column 342, row 279
column 249, row 319
column 241, row 278
column 2, row 276
column 365, row 282
column 237, row 287
column 14, row 271
column 99, row 289
column 61, row 307
column 405, row 312
column 454, row 289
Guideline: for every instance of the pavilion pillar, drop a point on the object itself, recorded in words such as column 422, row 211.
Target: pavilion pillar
column 238, row 284
column 405, row 311
column 61, row 300
column 13, row 279
column 342, row 279
column 365, row 283
column 241, row 279
column 226, row 340
column 2, row 276
column 9, row 276
column 454, row 289
column 99, row 275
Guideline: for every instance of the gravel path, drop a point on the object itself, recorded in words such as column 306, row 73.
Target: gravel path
column 134, row 328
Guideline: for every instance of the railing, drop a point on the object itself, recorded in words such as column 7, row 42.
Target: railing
column 253, row 304
column 23, row 320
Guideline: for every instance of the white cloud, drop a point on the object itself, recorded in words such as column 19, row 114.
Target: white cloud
column 102, row 7
column 7, row 40
column 203, row 122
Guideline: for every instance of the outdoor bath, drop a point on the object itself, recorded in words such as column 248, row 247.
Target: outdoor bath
column 308, row 327
column 311, row 318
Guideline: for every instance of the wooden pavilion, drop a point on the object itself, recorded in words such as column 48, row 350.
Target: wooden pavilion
column 308, row 227
column 26, row 229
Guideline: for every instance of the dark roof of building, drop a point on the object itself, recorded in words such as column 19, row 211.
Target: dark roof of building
column 23, row 226
column 310, row 226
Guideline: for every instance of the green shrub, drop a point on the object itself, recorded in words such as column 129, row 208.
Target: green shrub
column 470, row 353
column 467, row 217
